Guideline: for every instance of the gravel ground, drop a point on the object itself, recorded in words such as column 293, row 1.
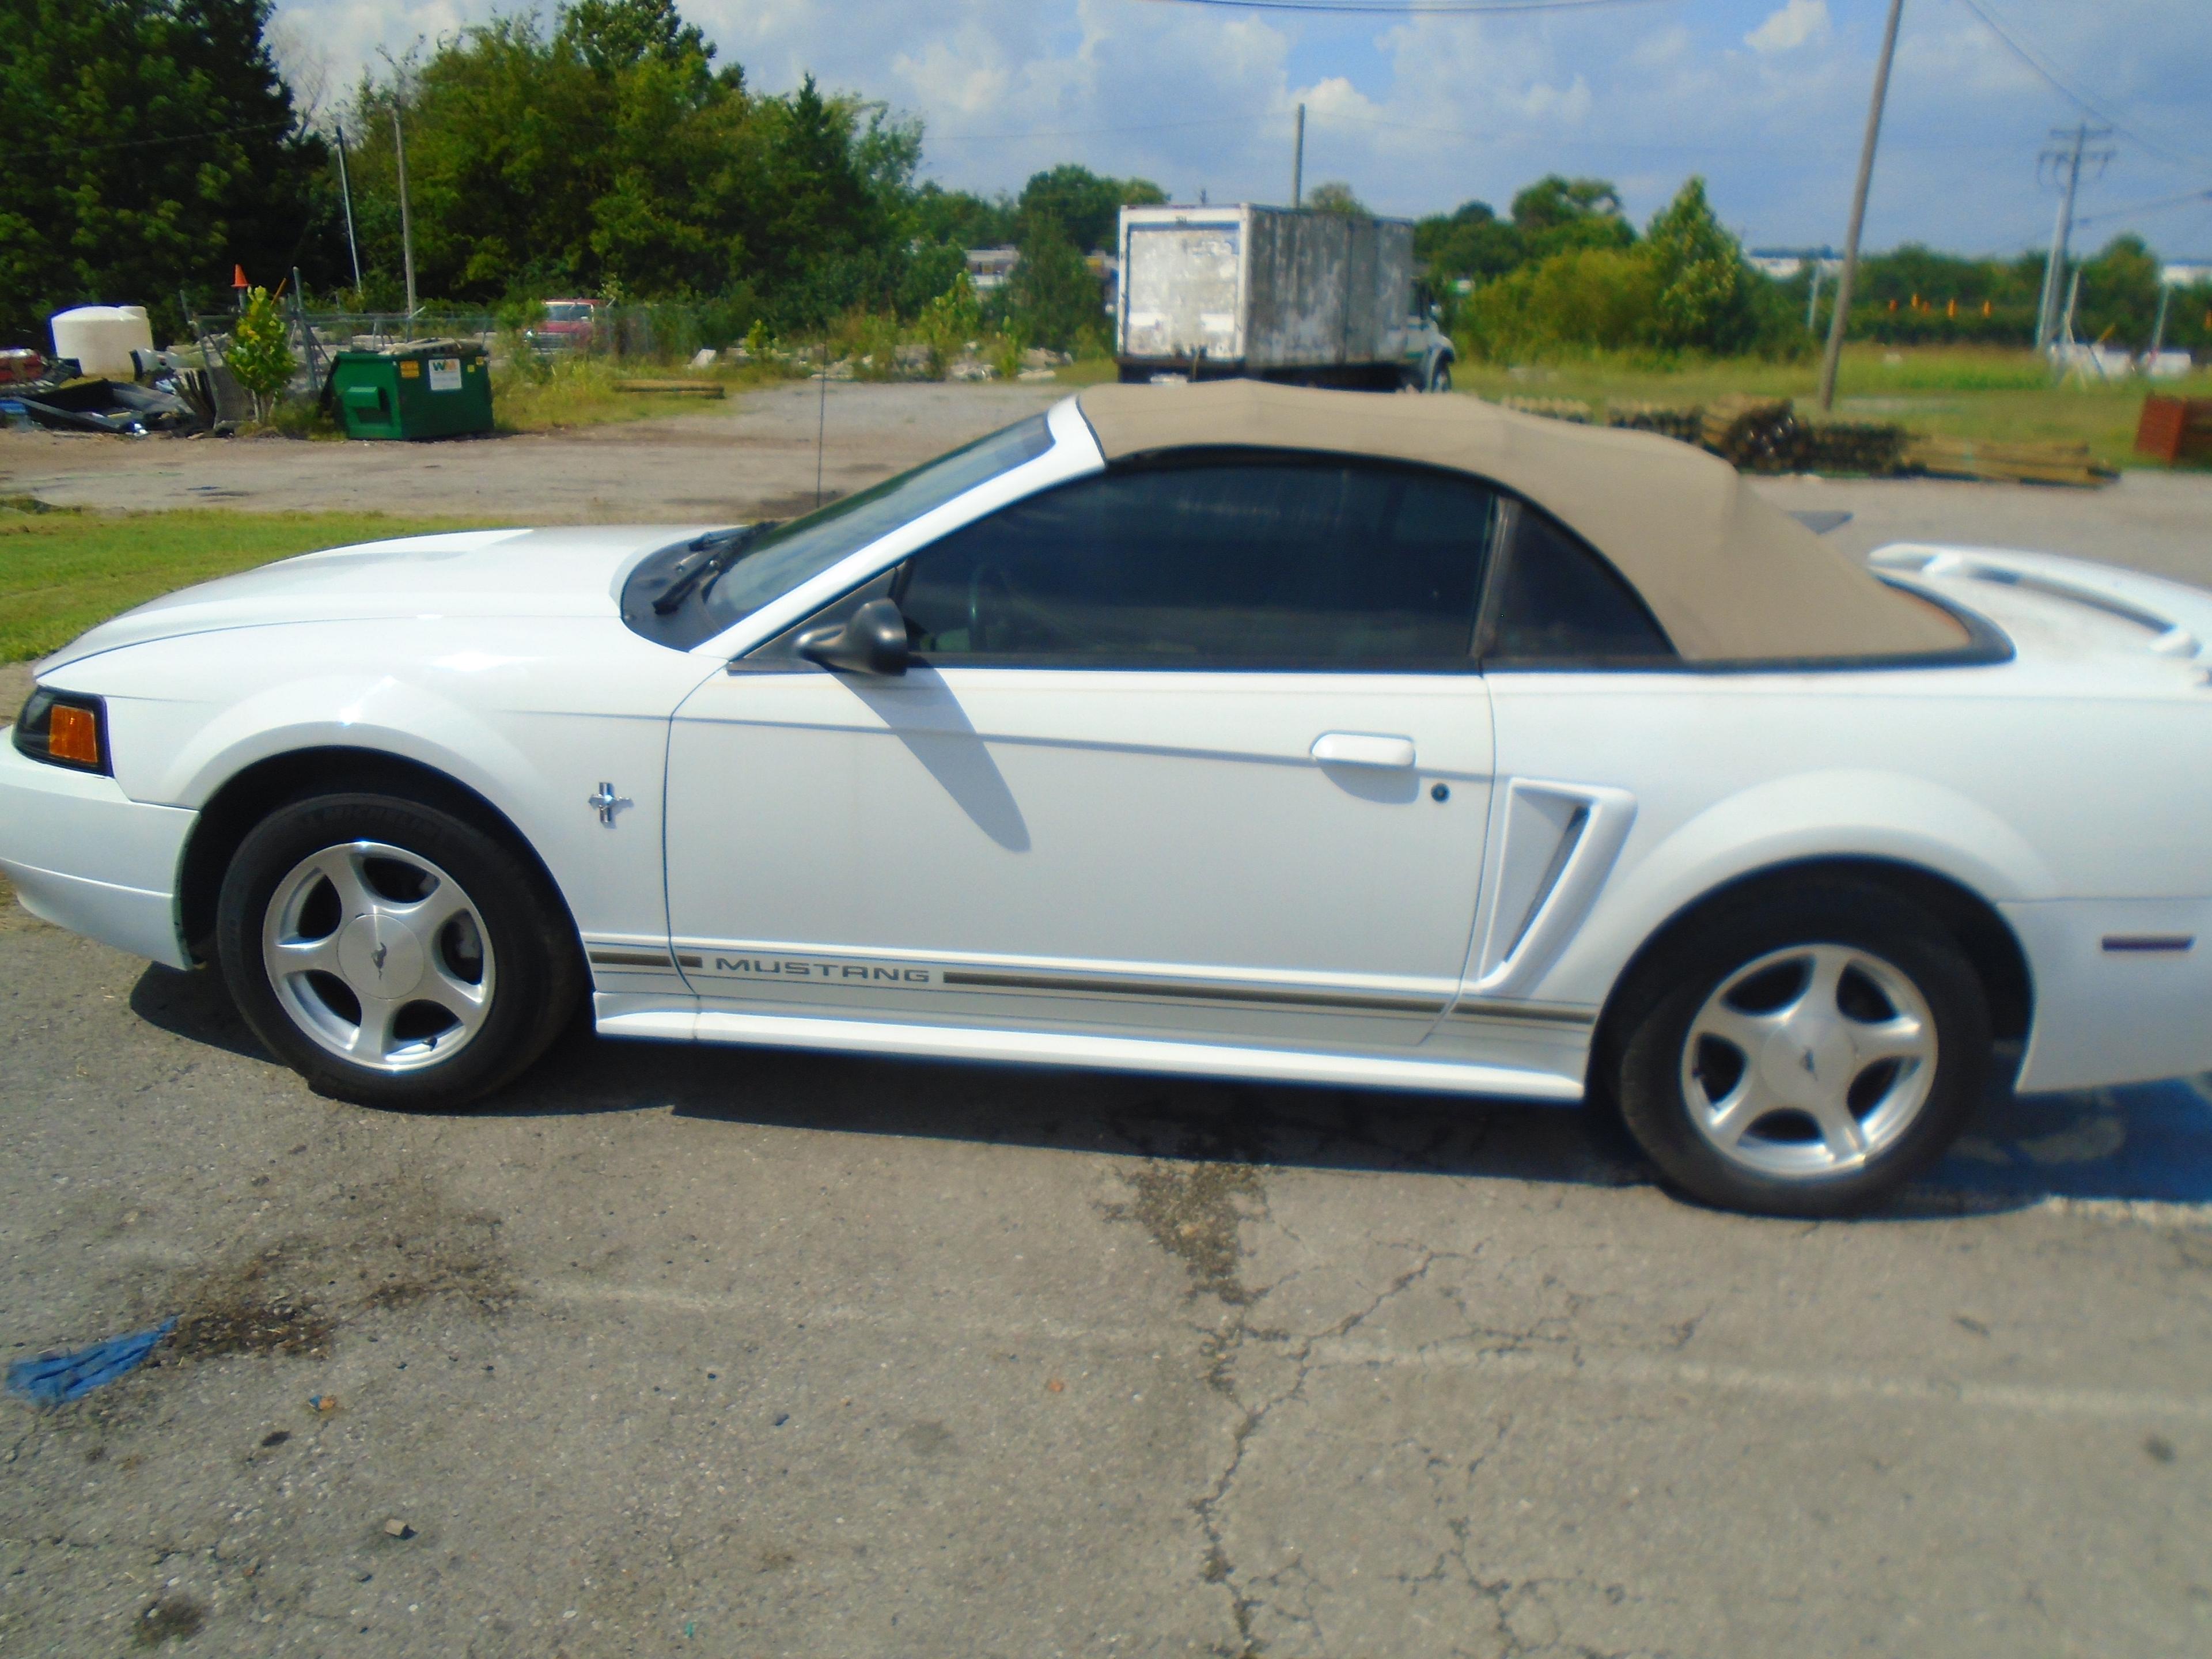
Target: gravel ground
column 674, row 1350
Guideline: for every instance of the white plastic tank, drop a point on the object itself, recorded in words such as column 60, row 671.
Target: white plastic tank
column 102, row 337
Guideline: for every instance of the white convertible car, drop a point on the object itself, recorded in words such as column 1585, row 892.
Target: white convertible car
column 1225, row 730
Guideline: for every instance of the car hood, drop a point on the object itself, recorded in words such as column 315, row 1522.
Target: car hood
column 470, row 573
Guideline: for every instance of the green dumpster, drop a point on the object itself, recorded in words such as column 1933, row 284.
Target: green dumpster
column 425, row 389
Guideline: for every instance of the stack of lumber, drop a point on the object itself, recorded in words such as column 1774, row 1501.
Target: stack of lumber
column 1551, row 409
column 2006, row 463
column 673, row 388
column 1875, row 449
column 1756, row 435
column 1683, row 421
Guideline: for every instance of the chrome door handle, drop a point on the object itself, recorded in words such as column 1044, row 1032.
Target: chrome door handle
column 1364, row 749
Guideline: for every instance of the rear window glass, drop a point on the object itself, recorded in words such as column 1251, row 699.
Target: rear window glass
column 1560, row 602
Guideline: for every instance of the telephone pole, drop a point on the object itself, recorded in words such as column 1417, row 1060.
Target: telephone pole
column 1298, row 163
column 1833, row 358
column 406, row 219
column 346, row 189
column 2061, row 231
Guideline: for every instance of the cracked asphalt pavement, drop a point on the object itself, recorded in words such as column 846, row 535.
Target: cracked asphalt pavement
column 746, row 1353
column 670, row 1351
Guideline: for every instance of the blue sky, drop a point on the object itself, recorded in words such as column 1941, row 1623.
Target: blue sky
column 1766, row 98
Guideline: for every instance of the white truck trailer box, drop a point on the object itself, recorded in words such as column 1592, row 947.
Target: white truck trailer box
column 1279, row 293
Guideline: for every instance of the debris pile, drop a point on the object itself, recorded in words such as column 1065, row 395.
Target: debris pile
column 2007, row 463
column 1875, row 449
column 168, row 395
column 1683, row 422
column 1756, row 435
column 1571, row 409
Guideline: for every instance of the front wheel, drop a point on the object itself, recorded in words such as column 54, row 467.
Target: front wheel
column 1806, row 1055
column 393, row 953
column 1440, row 376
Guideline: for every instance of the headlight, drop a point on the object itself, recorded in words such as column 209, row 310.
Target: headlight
column 65, row 729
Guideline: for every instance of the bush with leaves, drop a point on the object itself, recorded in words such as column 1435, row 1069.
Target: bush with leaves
column 949, row 322
column 261, row 351
column 1703, row 300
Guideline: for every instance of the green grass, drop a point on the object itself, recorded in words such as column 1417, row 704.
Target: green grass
column 1965, row 392
column 581, row 390
column 62, row 571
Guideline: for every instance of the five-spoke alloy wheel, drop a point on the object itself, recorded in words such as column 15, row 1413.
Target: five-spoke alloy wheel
column 1803, row 1055
column 379, row 955
column 393, row 951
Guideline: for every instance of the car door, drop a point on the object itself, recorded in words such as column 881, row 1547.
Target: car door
column 1191, row 751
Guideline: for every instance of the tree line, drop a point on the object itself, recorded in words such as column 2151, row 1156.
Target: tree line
column 603, row 151
column 1564, row 270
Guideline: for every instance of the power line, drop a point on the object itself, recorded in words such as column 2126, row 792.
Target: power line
column 2088, row 105
column 1409, row 9
column 141, row 143
column 2161, row 204
column 1094, row 133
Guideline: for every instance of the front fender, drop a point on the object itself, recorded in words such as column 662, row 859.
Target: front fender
column 1839, row 814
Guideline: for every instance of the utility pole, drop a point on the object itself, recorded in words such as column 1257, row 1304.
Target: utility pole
column 346, row 190
column 2158, row 329
column 1813, row 298
column 1298, row 163
column 406, row 219
column 2061, row 231
column 1833, row 359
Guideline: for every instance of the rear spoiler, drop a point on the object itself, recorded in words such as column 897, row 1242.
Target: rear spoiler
column 2177, row 617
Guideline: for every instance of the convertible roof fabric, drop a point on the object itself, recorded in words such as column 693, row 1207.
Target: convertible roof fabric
column 1728, row 576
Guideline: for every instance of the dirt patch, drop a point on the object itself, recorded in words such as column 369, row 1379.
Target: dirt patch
column 172, row 1619
column 248, row 1313
column 1193, row 1212
column 293, row 1297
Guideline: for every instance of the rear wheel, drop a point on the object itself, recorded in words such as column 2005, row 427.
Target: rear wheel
column 393, row 953
column 1805, row 1055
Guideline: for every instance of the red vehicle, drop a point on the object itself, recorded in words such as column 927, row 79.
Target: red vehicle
column 567, row 326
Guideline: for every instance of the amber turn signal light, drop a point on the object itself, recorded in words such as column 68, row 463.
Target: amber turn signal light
column 74, row 735
column 63, row 728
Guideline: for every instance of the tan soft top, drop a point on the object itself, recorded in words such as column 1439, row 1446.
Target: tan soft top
column 1728, row 575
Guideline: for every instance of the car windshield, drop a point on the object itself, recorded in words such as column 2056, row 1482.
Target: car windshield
column 782, row 558
column 557, row 312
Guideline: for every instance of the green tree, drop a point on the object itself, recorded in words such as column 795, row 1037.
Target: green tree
column 151, row 145
column 1702, row 298
column 2119, row 293
column 1555, row 213
column 1335, row 196
column 260, row 353
column 1086, row 208
column 955, row 218
column 1057, row 300
column 615, row 35
column 1553, row 201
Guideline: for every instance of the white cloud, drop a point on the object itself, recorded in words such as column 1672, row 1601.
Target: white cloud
column 1428, row 112
column 1801, row 22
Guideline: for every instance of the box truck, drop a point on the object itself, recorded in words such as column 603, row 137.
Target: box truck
column 1307, row 297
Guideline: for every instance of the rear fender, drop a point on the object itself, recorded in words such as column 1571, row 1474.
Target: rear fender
column 1812, row 815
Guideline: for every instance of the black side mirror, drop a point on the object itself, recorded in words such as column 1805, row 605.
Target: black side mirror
column 871, row 640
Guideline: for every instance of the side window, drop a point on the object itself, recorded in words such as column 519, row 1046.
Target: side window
column 1244, row 563
column 1558, row 601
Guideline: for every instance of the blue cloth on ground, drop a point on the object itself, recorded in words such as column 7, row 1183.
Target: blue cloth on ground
column 54, row 1378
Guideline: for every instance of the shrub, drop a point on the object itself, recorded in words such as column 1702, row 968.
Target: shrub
column 261, row 351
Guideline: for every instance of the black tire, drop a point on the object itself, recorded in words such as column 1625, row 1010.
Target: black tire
column 1440, row 376
column 1649, row 1062
column 527, row 948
